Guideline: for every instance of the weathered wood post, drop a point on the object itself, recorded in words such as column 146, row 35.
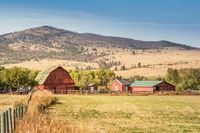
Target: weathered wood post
column 4, row 122
column 11, row 120
column 0, row 122
column 1, row 125
column 14, row 119
column 7, row 121
column 22, row 111
column 19, row 111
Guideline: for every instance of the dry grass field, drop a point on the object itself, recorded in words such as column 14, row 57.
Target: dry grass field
column 7, row 101
column 130, row 114
column 157, row 61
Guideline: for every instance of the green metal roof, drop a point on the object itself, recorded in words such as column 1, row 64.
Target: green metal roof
column 124, row 82
column 42, row 76
column 146, row 83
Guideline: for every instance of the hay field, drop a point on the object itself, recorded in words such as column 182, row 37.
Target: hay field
column 129, row 114
column 7, row 101
column 158, row 61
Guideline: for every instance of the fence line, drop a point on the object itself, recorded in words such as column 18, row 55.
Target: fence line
column 9, row 117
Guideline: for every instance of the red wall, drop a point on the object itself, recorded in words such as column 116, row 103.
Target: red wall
column 162, row 86
column 118, row 84
column 121, row 87
column 166, row 87
column 58, row 81
column 142, row 89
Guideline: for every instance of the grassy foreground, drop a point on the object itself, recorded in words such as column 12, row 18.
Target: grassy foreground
column 130, row 113
column 7, row 101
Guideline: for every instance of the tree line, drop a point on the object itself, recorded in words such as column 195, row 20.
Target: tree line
column 184, row 79
column 12, row 79
column 17, row 77
column 101, row 77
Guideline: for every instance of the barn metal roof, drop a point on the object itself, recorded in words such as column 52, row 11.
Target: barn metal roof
column 42, row 76
column 124, row 82
column 145, row 83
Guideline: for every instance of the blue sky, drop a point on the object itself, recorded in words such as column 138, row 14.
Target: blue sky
column 173, row 20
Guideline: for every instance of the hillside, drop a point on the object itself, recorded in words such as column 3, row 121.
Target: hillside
column 51, row 43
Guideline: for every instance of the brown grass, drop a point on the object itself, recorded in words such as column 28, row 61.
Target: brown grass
column 37, row 120
column 159, row 62
column 7, row 101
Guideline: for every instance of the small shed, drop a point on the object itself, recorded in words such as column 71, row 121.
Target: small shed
column 120, row 85
column 151, row 86
column 92, row 87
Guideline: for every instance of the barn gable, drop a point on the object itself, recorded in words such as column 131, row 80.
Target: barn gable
column 55, row 79
column 43, row 75
column 122, row 81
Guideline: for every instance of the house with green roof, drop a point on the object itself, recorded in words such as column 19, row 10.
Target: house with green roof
column 151, row 86
column 141, row 86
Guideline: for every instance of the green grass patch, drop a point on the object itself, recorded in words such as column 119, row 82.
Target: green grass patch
column 132, row 114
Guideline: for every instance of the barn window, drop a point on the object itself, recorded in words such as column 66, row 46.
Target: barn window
column 92, row 88
column 116, row 88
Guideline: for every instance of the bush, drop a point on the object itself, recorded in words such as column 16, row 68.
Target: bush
column 184, row 79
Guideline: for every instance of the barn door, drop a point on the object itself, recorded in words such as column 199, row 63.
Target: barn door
column 54, row 90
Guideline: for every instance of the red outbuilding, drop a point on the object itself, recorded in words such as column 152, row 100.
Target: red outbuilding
column 151, row 86
column 56, row 80
column 120, row 85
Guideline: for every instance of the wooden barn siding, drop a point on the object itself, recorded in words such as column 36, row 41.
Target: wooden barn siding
column 117, row 83
column 59, row 79
column 142, row 89
column 58, row 76
column 166, row 87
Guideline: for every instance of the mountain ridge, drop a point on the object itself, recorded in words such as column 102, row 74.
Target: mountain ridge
column 46, row 30
column 49, row 42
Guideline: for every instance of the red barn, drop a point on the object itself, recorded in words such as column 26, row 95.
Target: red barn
column 55, row 79
column 151, row 86
column 120, row 85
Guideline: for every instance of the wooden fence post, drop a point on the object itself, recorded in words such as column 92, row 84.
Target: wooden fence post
column 21, row 111
column 17, row 112
column 7, row 121
column 11, row 120
column 4, row 122
column 14, row 119
column 1, row 122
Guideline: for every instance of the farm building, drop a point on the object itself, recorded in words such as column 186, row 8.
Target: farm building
column 151, row 86
column 92, row 87
column 55, row 79
column 120, row 85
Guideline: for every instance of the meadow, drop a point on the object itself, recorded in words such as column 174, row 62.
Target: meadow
column 129, row 114
column 7, row 101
